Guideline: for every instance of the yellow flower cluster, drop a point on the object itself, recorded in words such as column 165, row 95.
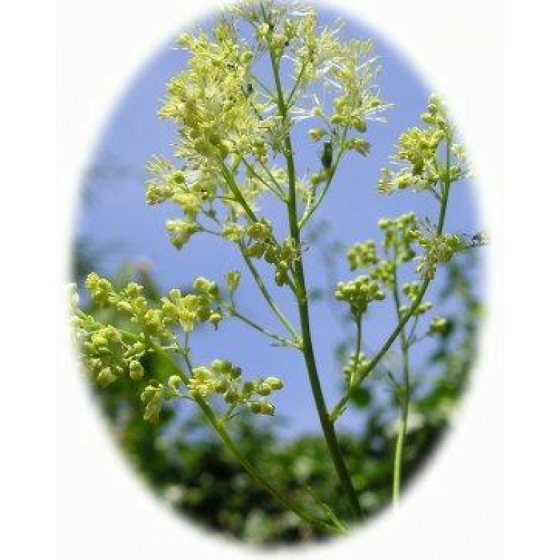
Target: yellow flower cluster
column 437, row 249
column 358, row 293
column 420, row 155
column 217, row 114
column 110, row 351
column 224, row 379
column 362, row 255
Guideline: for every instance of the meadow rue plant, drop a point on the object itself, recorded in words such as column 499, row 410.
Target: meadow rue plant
column 234, row 147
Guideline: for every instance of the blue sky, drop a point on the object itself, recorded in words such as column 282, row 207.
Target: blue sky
column 118, row 216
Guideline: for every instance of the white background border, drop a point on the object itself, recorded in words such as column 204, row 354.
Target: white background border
column 455, row 509
column 104, row 514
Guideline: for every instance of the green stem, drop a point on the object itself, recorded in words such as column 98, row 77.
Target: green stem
column 238, row 197
column 236, row 192
column 403, row 394
column 272, row 189
column 273, row 179
column 303, row 309
column 341, row 405
column 266, row 332
column 359, row 325
column 257, row 475
column 268, row 298
column 296, row 85
column 230, row 444
column 399, row 446
column 446, row 187
column 326, row 423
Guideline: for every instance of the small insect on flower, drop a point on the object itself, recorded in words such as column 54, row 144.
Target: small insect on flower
column 480, row 238
column 327, row 155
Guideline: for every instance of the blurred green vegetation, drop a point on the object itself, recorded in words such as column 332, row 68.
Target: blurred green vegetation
column 185, row 464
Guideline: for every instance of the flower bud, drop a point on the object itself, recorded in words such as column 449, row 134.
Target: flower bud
column 174, row 382
column 361, row 126
column 106, row 377
column 339, row 104
column 202, row 372
column 256, row 250
column 255, row 407
column 136, row 370
column 316, row 178
column 203, row 314
column 221, row 386
column 246, row 57
column 274, row 383
column 219, row 366
column 264, row 389
column 226, row 147
column 440, row 325
column 259, row 230
column 214, row 318
column 124, row 306
column 281, row 276
column 266, row 408
column 316, row 133
column 249, row 388
column 99, row 341
column 428, row 118
column 203, row 285
column 233, row 278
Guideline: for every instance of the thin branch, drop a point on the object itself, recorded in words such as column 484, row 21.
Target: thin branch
column 282, row 340
column 341, row 405
column 359, row 322
column 403, row 392
column 309, row 212
column 251, row 470
column 272, row 189
column 296, row 85
column 266, row 294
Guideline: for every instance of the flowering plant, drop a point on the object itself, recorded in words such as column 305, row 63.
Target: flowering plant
column 234, row 148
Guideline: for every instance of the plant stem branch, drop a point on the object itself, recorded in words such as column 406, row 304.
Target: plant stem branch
column 266, row 332
column 257, row 475
column 359, row 324
column 251, row 470
column 236, row 192
column 399, row 446
column 341, row 405
column 238, row 197
column 273, row 179
column 324, row 191
column 268, row 298
column 272, row 189
column 403, row 394
column 296, row 85
column 307, row 344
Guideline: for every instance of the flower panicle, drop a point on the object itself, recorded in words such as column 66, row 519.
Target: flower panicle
column 419, row 160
